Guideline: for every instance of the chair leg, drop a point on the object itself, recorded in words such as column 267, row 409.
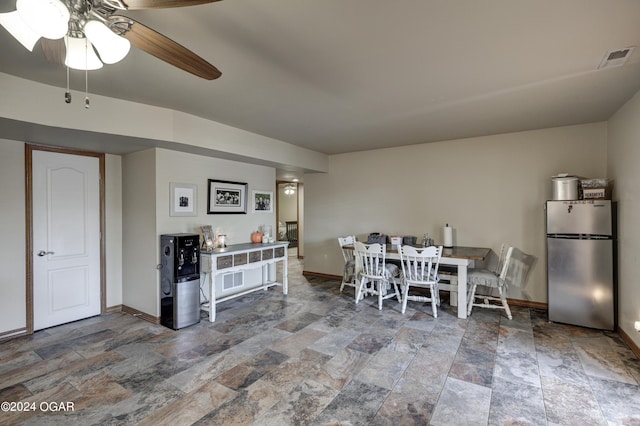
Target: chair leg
column 345, row 279
column 504, row 303
column 434, row 301
column 404, row 297
column 395, row 285
column 471, row 299
column 359, row 290
column 381, row 285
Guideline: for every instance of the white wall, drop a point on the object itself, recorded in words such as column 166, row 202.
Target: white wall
column 490, row 189
column 182, row 167
column 113, row 228
column 13, row 301
column 623, row 156
column 167, row 127
column 140, row 245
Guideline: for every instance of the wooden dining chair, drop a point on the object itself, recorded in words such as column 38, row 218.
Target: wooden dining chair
column 375, row 275
column 420, row 270
column 490, row 279
column 349, row 271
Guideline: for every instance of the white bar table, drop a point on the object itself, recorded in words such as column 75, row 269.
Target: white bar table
column 240, row 257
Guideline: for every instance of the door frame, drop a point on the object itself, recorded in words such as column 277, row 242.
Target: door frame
column 28, row 157
column 297, row 184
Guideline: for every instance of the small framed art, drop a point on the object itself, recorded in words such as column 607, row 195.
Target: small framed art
column 184, row 199
column 262, row 201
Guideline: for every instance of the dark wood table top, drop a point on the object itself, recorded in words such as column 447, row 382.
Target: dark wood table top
column 473, row 253
column 459, row 252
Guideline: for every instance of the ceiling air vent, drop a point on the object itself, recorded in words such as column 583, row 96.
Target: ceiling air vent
column 615, row 58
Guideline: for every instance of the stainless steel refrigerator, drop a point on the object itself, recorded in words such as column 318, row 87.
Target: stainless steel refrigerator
column 581, row 283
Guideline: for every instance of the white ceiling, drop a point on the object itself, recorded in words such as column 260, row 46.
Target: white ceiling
column 346, row 75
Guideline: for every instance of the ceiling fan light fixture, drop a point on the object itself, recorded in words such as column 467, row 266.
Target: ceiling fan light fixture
column 289, row 189
column 19, row 29
column 111, row 47
column 80, row 54
column 48, row 18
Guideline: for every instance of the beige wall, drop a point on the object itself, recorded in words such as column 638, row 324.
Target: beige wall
column 12, row 228
column 113, row 228
column 623, row 155
column 489, row 189
column 168, row 128
column 139, row 245
column 180, row 167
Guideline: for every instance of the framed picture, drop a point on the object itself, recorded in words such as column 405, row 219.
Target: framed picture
column 262, row 201
column 226, row 197
column 184, row 199
column 207, row 237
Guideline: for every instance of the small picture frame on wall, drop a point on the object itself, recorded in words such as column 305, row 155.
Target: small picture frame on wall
column 227, row 197
column 262, row 201
column 184, row 199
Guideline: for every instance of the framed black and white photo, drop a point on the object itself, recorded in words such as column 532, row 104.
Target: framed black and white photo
column 262, row 201
column 226, row 197
column 184, row 198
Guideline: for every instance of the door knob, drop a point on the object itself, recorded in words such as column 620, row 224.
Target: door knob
column 44, row 253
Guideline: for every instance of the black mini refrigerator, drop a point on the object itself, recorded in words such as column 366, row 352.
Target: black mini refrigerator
column 179, row 280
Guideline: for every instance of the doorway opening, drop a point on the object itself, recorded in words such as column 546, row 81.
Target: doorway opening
column 287, row 215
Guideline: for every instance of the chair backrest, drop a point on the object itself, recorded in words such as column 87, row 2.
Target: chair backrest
column 370, row 258
column 503, row 262
column 420, row 264
column 347, row 241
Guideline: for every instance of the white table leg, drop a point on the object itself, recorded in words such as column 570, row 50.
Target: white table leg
column 212, row 296
column 285, row 273
column 462, row 291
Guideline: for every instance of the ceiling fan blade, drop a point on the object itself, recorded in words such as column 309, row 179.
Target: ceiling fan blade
column 154, row 43
column 54, row 50
column 162, row 4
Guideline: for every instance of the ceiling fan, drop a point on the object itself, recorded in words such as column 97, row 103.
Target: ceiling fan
column 69, row 30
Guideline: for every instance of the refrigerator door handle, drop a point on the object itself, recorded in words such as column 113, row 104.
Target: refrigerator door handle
column 579, row 236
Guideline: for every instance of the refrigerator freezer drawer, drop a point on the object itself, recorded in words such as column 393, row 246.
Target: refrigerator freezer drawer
column 580, row 282
column 579, row 217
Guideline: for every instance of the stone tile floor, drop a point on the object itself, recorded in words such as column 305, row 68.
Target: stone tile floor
column 315, row 357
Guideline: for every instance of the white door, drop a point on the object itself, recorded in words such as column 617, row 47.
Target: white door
column 66, row 238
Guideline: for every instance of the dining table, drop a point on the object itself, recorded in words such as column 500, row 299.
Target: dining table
column 462, row 258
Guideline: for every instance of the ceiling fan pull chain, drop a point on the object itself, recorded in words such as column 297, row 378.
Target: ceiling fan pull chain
column 67, row 94
column 86, row 75
column 86, row 89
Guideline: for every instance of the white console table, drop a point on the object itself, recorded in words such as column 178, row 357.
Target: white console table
column 242, row 257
